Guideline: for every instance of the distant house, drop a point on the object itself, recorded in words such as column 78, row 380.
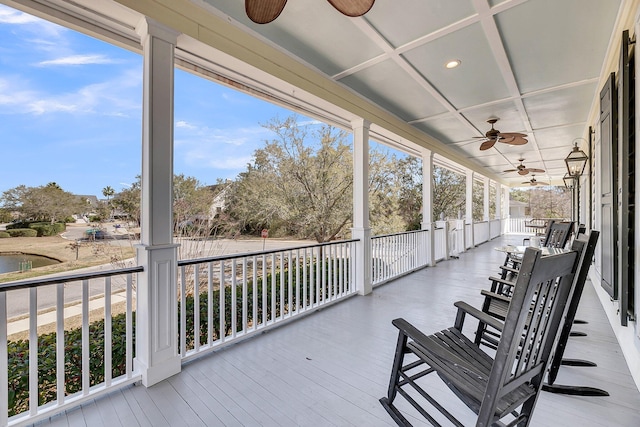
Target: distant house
column 219, row 195
column 519, row 209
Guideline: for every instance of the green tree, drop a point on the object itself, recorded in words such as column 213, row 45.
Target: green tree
column 128, row 201
column 449, row 193
column 299, row 184
column 478, row 200
column 45, row 203
column 108, row 192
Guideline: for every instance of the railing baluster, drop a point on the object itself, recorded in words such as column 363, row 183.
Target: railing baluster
column 222, row 312
column 273, row 287
column 196, row 307
column 234, row 302
column 86, row 366
column 60, row 353
column 108, row 342
column 290, row 283
column 282, row 286
column 297, row 267
column 209, row 303
column 129, row 328
column 4, row 366
column 264, row 290
column 33, row 351
column 305, row 291
column 255, row 292
column 183, row 311
column 244, row 296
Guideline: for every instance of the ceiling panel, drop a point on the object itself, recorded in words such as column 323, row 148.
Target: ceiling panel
column 551, row 42
column 510, row 119
column 558, row 137
column 389, row 85
column 447, row 128
column 477, row 80
column 560, row 107
column 418, row 17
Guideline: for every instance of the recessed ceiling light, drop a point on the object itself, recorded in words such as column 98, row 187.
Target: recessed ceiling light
column 453, row 64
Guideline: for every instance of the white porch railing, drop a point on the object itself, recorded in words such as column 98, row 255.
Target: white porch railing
column 518, row 226
column 394, row 255
column 79, row 347
column 440, row 243
column 494, row 228
column 221, row 300
column 240, row 295
column 480, row 232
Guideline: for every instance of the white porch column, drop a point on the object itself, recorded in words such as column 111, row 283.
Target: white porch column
column 469, row 240
column 506, row 212
column 427, row 203
column 156, row 326
column 486, row 200
column 499, row 207
column 361, row 228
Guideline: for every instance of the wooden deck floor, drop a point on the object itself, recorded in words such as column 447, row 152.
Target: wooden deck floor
column 330, row 368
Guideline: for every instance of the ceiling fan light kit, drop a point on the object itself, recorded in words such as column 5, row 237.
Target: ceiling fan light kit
column 265, row 11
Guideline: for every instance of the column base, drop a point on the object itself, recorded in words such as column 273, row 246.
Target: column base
column 159, row 372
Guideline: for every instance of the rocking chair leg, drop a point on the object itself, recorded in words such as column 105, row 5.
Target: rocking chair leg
column 395, row 372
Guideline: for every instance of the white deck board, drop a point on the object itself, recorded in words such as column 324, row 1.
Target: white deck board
column 330, row 368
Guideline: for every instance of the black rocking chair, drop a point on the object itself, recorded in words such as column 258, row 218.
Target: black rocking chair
column 504, row 387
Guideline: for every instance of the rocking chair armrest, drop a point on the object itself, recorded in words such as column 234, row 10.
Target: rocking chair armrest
column 498, row 283
column 409, row 330
column 464, row 308
column 493, row 295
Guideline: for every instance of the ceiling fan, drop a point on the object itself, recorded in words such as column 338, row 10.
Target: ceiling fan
column 522, row 170
column 494, row 135
column 265, row 11
column 533, row 181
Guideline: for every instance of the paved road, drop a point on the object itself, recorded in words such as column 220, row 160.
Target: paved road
column 18, row 301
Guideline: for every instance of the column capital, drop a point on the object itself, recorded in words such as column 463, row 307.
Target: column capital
column 360, row 123
column 150, row 27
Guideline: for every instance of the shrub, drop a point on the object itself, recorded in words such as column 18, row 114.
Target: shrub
column 48, row 229
column 22, row 232
column 4, row 234
column 18, row 372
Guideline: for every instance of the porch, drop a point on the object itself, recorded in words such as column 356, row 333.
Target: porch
column 330, row 367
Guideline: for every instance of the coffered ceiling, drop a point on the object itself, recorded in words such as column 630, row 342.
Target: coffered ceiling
column 534, row 64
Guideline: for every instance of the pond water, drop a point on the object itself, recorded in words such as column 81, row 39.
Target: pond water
column 12, row 262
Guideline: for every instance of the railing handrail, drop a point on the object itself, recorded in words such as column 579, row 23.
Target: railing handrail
column 401, row 233
column 185, row 262
column 40, row 281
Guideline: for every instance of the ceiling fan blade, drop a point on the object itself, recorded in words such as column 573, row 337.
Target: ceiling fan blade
column 512, row 135
column 352, row 8
column 543, row 183
column 510, row 170
column 263, row 11
column 487, row 144
column 516, row 140
column 534, row 170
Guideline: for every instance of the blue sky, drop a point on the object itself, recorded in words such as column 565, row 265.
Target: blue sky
column 70, row 112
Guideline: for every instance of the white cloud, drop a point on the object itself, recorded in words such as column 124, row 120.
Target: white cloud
column 11, row 16
column 31, row 23
column 117, row 96
column 185, row 125
column 77, row 60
